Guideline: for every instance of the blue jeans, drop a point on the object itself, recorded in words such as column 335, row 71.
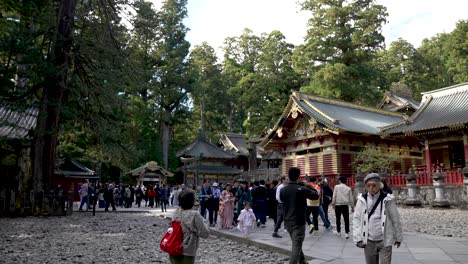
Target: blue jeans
column 326, row 223
column 83, row 201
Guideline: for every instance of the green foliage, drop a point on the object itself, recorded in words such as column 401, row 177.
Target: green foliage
column 373, row 159
column 342, row 39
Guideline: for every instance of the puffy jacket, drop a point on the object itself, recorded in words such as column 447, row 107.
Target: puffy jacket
column 391, row 225
column 294, row 197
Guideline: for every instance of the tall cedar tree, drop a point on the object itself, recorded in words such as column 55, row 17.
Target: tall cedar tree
column 172, row 81
column 341, row 42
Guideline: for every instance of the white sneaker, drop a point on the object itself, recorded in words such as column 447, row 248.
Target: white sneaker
column 346, row 235
column 337, row 234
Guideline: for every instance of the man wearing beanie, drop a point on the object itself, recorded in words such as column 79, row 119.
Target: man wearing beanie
column 376, row 222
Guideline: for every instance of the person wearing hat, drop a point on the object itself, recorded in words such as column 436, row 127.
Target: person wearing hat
column 216, row 194
column 376, row 222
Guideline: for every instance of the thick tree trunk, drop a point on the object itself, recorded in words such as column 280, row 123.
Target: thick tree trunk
column 203, row 116
column 252, row 156
column 47, row 127
column 230, row 119
column 166, row 137
column 24, row 165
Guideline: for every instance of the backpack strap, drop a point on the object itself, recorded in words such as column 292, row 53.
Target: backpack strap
column 379, row 200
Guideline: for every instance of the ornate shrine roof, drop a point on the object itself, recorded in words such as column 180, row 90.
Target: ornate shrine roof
column 208, row 150
column 71, row 168
column 150, row 167
column 395, row 102
column 441, row 110
column 334, row 116
column 17, row 124
column 236, row 144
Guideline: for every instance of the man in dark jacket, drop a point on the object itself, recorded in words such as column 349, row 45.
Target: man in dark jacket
column 294, row 197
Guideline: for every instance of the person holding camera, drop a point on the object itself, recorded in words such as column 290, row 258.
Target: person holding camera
column 376, row 222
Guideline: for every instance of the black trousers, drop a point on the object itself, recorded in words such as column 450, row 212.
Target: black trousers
column 342, row 210
column 111, row 202
column 207, row 206
column 279, row 217
column 297, row 234
column 314, row 210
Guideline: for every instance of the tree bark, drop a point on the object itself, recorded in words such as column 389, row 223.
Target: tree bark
column 47, row 126
column 166, row 137
column 203, row 116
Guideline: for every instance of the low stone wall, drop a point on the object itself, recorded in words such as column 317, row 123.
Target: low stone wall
column 456, row 195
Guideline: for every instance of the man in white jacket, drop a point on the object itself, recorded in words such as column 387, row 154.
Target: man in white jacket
column 376, row 222
column 341, row 201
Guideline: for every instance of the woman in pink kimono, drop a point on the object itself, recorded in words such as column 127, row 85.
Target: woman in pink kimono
column 226, row 207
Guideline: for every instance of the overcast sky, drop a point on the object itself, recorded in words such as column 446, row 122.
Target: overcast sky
column 413, row 20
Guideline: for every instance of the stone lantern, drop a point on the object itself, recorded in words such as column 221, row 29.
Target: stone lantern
column 464, row 171
column 383, row 174
column 438, row 182
column 412, row 198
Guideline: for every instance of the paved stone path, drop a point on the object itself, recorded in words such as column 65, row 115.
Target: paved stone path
column 328, row 248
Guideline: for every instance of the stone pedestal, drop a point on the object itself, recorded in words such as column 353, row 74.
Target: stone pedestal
column 464, row 171
column 439, row 185
column 412, row 199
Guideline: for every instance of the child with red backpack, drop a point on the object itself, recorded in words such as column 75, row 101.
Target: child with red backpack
column 182, row 248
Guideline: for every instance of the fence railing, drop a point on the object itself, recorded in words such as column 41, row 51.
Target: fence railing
column 453, row 178
column 13, row 203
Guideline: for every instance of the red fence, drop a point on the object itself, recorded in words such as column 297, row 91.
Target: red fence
column 453, row 178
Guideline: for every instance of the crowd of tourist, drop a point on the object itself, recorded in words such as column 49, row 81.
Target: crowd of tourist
column 220, row 203
column 291, row 201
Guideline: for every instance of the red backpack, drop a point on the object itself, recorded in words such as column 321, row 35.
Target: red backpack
column 171, row 242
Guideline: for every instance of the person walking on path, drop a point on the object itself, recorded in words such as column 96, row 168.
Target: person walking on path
column 226, row 207
column 164, row 198
column 259, row 196
column 326, row 223
column 294, row 197
column 84, row 196
column 193, row 227
column 206, row 201
column 325, row 196
column 244, row 196
column 151, row 196
column 109, row 197
column 215, row 203
column 341, row 201
column 279, row 210
column 376, row 222
column 246, row 220
column 312, row 209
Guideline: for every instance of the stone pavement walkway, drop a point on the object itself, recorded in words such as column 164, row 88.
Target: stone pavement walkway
column 328, row 248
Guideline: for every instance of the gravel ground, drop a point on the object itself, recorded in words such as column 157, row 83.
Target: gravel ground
column 134, row 238
column 109, row 238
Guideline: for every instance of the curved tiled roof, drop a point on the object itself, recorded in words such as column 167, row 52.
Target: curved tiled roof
column 70, row 167
column 237, row 143
column 212, row 169
column 344, row 116
column 17, row 124
column 336, row 115
column 208, row 150
column 440, row 109
column 399, row 102
column 151, row 166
